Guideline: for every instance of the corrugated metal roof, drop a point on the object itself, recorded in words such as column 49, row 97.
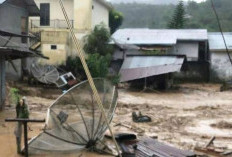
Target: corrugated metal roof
column 216, row 41
column 32, row 8
column 137, row 67
column 146, row 36
column 19, row 52
column 106, row 4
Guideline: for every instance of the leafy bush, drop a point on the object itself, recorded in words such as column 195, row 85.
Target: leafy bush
column 97, row 41
column 14, row 95
column 98, row 65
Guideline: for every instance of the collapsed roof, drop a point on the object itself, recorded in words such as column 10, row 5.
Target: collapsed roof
column 142, row 66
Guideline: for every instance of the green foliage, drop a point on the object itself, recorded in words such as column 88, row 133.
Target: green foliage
column 97, row 41
column 199, row 15
column 178, row 19
column 115, row 20
column 98, row 65
column 14, row 95
column 74, row 65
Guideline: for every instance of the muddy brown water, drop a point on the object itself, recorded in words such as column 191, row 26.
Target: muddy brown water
column 181, row 118
column 8, row 141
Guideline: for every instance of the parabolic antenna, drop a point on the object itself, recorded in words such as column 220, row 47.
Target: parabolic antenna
column 47, row 74
column 74, row 121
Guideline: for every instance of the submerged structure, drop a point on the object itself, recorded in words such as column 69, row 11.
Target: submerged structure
column 74, row 120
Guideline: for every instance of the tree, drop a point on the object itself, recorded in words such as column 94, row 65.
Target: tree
column 97, row 41
column 98, row 51
column 115, row 20
column 178, row 19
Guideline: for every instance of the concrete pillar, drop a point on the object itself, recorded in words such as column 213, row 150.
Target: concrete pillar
column 2, row 82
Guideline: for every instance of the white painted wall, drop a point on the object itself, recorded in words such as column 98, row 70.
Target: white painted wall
column 100, row 14
column 55, row 10
column 190, row 49
column 220, row 67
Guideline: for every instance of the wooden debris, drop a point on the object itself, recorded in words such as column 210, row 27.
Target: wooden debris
column 148, row 147
column 210, row 142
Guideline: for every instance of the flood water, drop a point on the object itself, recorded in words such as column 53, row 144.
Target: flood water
column 8, row 141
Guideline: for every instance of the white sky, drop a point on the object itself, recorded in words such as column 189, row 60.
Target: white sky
column 109, row 0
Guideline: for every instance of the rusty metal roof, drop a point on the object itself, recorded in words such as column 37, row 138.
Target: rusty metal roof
column 140, row 66
column 146, row 36
column 216, row 41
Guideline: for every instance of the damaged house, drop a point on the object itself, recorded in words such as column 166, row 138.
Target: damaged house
column 161, row 47
column 220, row 64
column 14, row 40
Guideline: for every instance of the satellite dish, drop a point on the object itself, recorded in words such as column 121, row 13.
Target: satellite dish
column 74, row 121
column 47, row 74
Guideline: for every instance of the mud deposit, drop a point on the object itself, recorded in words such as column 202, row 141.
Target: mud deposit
column 185, row 118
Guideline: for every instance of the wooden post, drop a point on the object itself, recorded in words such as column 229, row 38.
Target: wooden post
column 2, row 82
column 25, row 139
column 25, row 121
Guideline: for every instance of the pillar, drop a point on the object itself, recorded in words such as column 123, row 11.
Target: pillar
column 2, row 82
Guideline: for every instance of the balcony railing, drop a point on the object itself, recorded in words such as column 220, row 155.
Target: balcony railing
column 61, row 24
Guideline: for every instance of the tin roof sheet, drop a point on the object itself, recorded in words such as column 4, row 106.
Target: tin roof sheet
column 137, row 67
column 146, row 36
column 216, row 41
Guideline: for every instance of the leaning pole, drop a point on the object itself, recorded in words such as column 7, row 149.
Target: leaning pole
column 81, row 53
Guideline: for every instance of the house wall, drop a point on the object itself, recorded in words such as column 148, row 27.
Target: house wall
column 58, row 39
column 100, row 14
column 190, row 49
column 85, row 18
column 10, row 21
column 83, row 14
column 221, row 68
column 56, row 15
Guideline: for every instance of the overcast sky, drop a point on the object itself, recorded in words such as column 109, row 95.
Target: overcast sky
column 125, row 0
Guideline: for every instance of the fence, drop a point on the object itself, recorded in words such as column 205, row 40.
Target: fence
column 52, row 24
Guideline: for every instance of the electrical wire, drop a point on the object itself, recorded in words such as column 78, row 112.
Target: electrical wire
column 220, row 28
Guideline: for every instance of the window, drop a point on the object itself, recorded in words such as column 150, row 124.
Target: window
column 24, row 29
column 45, row 14
column 53, row 47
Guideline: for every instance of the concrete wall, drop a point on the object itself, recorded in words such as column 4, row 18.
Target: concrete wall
column 194, row 72
column 190, row 49
column 55, row 13
column 100, row 14
column 83, row 14
column 221, row 69
column 58, row 39
column 10, row 21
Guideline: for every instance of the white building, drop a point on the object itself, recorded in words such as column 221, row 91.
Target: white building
column 55, row 40
column 221, row 68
